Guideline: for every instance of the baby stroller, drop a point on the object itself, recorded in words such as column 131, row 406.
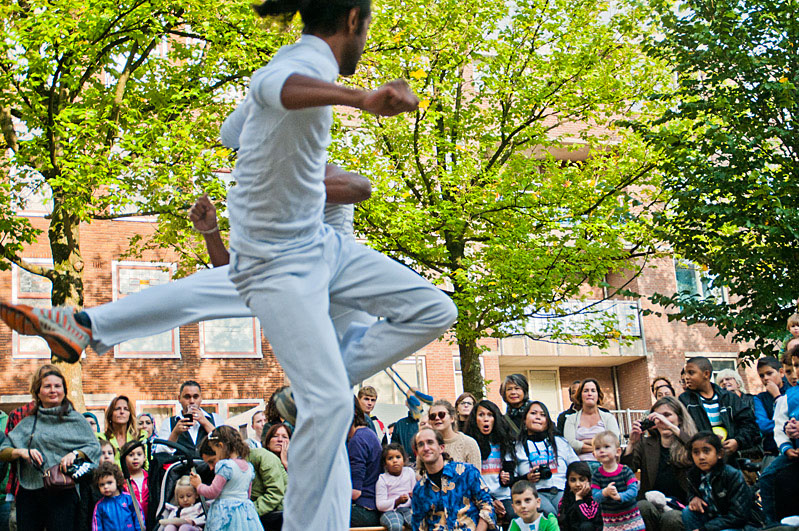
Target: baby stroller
column 164, row 471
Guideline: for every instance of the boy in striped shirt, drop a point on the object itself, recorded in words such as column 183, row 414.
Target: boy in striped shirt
column 714, row 409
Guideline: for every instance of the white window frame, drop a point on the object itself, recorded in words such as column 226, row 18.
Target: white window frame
column 15, row 299
column 118, row 354
column 257, row 353
column 416, row 359
column 698, row 275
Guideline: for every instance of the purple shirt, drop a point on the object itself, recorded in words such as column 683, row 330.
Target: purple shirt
column 364, row 451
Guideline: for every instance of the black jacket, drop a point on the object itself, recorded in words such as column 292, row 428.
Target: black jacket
column 736, row 417
column 576, row 515
column 731, row 495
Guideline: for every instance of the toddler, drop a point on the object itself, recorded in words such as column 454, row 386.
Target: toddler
column 578, row 511
column 719, row 497
column 138, row 476
column 614, row 486
column 527, row 504
column 107, row 452
column 394, row 488
column 233, row 477
column 114, row 511
column 185, row 513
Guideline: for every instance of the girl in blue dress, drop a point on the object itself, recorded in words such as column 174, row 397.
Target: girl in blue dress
column 231, row 486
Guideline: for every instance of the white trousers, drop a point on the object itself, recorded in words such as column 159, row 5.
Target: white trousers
column 290, row 290
column 206, row 295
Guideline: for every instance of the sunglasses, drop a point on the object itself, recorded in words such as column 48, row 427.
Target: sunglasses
column 441, row 415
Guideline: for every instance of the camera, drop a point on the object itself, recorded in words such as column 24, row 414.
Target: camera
column 544, row 472
column 647, row 424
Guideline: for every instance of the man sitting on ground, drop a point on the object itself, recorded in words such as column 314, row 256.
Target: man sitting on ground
column 450, row 495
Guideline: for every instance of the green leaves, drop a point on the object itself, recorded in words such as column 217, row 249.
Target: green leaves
column 476, row 188
column 117, row 106
column 729, row 151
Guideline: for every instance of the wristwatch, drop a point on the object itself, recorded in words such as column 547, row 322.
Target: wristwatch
column 77, row 454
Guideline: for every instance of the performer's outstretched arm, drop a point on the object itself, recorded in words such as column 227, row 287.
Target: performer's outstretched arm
column 301, row 92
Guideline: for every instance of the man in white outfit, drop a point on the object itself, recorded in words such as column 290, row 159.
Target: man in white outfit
column 289, row 267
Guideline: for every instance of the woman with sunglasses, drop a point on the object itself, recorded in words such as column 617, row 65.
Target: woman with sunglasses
column 542, row 457
column 460, row 447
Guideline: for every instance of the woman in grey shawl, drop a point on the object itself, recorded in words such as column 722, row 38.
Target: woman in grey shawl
column 52, row 434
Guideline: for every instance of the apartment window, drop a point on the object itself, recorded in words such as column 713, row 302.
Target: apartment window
column 694, row 280
column 456, row 364
column 131, row 277
column 230, row 338
column 411, row 369
column 36, row 291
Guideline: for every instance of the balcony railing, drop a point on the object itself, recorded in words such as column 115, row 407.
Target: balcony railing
column 580, row 317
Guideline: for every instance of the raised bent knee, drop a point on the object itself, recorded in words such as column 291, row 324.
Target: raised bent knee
column 442, row 313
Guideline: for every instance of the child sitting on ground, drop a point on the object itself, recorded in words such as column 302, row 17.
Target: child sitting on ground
column 394, row 488
column 614, row 486
column 578, row 511
column 185, row 513
column 719, row 497
column 526, row 505
column 114, row 512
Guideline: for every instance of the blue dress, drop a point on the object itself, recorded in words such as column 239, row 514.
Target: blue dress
column 232, row 509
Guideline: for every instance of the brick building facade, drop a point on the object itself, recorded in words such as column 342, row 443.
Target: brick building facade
column 239, row 374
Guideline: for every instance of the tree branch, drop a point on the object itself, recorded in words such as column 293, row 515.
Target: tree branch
column 46, row 272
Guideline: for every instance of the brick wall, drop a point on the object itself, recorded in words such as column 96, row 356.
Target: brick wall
column 604, row 375
column 102, row 242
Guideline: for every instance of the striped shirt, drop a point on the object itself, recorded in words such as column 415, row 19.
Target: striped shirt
column 711, row 406
column 626, row 485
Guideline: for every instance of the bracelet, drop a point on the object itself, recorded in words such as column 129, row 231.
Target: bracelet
column 209, row 231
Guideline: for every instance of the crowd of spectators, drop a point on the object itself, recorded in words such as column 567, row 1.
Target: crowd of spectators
column 463, row 466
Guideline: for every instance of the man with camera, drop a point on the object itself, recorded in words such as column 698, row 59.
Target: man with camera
column 193, row 424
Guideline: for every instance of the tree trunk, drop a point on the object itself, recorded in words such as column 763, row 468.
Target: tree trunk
column 64, row 233
column 470, row 367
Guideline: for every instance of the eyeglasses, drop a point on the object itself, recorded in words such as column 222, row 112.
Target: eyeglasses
column 441, row 415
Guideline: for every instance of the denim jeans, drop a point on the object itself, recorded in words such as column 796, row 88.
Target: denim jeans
column 768, row 488
column 693, row 521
